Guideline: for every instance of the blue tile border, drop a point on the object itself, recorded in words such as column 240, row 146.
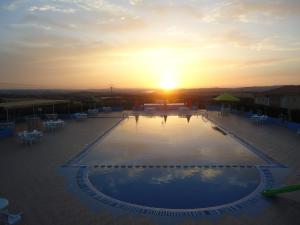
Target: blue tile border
column 84, row 184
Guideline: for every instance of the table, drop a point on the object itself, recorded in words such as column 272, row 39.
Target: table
column 30, row 137
column 3, row 203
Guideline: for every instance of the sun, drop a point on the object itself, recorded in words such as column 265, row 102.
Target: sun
column 168, row 81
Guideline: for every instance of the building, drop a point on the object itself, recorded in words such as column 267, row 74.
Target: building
column 286, row 98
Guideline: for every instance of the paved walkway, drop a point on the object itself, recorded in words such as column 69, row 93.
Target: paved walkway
column 31, row 181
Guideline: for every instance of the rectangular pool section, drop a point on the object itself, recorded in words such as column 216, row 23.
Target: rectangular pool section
column 169, row 140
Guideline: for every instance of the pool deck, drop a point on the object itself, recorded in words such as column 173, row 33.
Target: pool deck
column 31, row 180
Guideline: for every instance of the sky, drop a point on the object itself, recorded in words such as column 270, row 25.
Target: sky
column 81, row 44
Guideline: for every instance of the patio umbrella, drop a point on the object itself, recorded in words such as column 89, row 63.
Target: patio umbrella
column 227, row 98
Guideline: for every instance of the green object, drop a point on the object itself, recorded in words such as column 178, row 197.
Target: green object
column 226, row 98
column 276, row 191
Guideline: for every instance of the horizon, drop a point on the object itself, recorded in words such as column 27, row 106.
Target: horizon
column 138, row 44
column 14, row 86
column 119, row 90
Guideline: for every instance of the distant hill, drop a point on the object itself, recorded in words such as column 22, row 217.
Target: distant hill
column 284, row 90
column 120, row 91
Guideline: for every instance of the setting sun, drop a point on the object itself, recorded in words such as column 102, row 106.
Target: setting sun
column 168, row 82
column 167, row 85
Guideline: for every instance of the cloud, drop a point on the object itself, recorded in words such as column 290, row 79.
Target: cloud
column 134, row 2
column 11, row 5
column 253, row 11
column 240, row 38
column 122, row 24
column 97, row 5
column 237, row 63
column 175, row 9
column 51, row 8
column 88, row 24
column 45, row 22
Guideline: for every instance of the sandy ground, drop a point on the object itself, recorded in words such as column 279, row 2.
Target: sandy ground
column 30, row 177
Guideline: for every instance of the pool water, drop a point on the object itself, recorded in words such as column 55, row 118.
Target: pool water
column 172, row 188
column 151, row 140
column 169, row 163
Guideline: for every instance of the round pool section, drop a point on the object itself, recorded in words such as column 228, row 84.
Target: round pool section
column 175, row 188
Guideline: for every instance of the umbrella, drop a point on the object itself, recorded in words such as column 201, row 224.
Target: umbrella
column 226, row 98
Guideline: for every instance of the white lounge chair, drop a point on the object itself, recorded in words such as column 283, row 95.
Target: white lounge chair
column 93, row 112
column 52, row 125
column 9, row 218
column 80, row 116
column 259, row 118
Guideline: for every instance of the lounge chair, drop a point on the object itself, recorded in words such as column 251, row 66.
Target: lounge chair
column 80, row 116
column 259, row 119
column 10, row 218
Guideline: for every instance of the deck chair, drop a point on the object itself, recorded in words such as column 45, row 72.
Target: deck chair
column 9, row 218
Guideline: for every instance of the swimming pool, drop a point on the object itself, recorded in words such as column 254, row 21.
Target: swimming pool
column 172, row 165
column 154, row 141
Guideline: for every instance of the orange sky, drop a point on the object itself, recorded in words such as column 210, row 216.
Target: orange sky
column 148, row 44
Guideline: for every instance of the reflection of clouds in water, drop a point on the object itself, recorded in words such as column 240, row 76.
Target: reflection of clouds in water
column 236, row 182
column 163, row 179
column 112, row 185
column 210, row 174
column 247, row 181
column 114, row 180
column 169, row 175
column 134, row 173
column 163, row 176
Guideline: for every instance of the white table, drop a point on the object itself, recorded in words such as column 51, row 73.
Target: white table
column 30, row 137
column 3, row 203
column 80, row 116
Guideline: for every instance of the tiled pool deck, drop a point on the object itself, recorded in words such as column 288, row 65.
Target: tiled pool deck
column 30, row 176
